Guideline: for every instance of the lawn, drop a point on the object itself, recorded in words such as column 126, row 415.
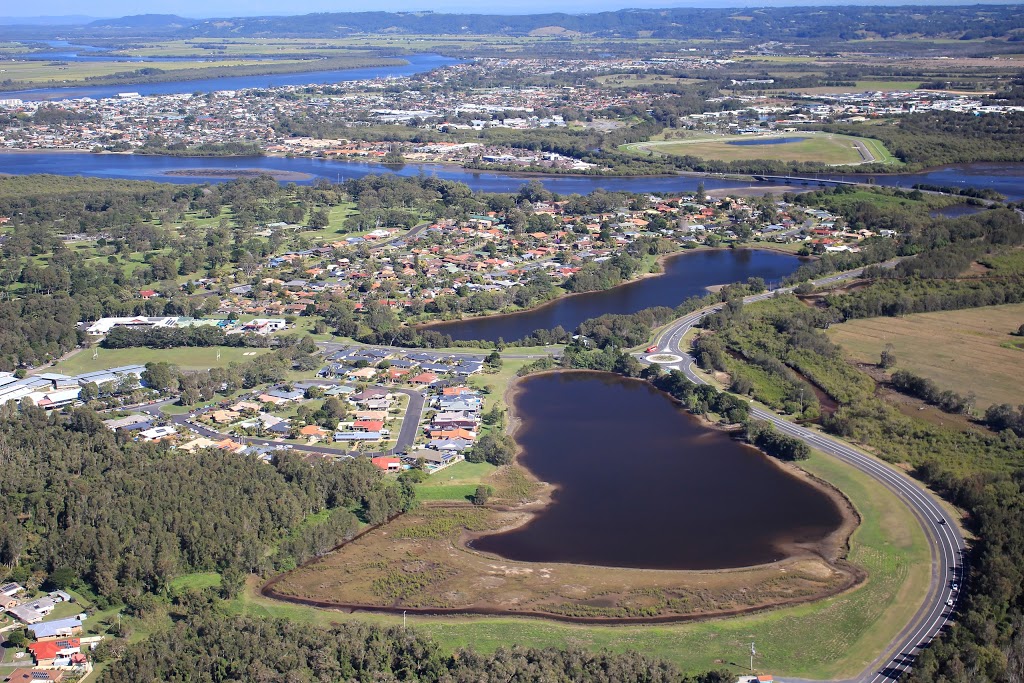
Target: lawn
column 833, row 638
column 828, row 149
column 455, row 482
column 494, row 385
column 969, row 350
column 187, row 358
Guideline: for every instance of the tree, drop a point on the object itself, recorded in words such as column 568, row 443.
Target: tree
column 481, row 495
column 888, row 357
column 493, row 360
column 62, row 578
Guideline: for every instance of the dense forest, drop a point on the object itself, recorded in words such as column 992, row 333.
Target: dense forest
column 129, row 517
column 206, row 646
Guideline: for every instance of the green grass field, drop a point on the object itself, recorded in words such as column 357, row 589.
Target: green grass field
column 823, row 148
column 455, row 482
column 969, row 350
column 187, row 358
column 836, row 637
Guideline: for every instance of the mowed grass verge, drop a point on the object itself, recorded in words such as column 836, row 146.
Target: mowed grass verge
column 187, row 358
column 833, row 638
column 964, row 351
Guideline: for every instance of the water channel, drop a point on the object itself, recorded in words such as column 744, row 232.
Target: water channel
column 641, row 483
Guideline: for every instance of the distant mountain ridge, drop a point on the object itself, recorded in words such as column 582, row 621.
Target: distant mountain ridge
column 767, row 23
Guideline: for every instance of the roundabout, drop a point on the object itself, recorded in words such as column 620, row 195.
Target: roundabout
column 664, row 358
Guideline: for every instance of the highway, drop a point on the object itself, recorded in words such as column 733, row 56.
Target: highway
column 945, row 540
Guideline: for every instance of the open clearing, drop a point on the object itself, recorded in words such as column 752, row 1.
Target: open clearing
column 833, row 638
column 964, row 351
column 827, row 148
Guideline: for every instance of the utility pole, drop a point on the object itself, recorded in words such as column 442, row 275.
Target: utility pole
column 752, row 653
column 403, row 619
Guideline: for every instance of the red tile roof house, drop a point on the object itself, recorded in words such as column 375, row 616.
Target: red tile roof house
column 387, row 464
column 368, row 425
column 44, row 652
column 423, row 378
column 147, row 293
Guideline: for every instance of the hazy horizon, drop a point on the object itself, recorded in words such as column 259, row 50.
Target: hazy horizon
column 198, row 9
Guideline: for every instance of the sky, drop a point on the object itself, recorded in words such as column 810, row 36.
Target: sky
column 238, row 8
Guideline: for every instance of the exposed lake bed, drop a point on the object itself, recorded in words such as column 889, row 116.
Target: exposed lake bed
column 620, row 563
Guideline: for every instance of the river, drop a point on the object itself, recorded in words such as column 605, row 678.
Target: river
column 686, row 274
column 1005, row 178
column 640, row 483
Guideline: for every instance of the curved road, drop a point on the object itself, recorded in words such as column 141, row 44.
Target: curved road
column 946, row 542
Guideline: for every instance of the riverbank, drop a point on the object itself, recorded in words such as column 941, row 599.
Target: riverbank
column 281, row 176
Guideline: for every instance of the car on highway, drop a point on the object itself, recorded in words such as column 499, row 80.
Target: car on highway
column 651, row 349
column 941, row 521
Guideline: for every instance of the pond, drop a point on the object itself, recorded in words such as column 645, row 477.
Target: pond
column 643, row 484
column 685, row 275
column 765, row 141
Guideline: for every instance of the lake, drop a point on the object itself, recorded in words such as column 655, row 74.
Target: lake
column 686, row 274
column 641, row 483
column 764, row 141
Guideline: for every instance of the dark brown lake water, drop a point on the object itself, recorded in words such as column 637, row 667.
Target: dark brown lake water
column 643, row 484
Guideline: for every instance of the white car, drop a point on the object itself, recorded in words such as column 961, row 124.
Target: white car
column 949, row 602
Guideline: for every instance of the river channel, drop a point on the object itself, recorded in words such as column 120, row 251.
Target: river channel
column 640, row 483
column 686, row 274
column 1006, row 178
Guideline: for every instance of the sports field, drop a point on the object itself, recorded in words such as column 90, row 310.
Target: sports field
column 823, row 148
column 964, row 351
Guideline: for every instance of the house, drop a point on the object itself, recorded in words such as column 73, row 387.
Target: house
column 58, row 628
column 34, row 611
column 423, row 378
column 313, row 431
column 35, row 676
column 8, row 601
column 387, row 464
column 147, row 293
column 457, row 433
column 59, row 596
column 224, row 416
column 157, row 433
column 368, row 425
column 45, row 652
column 11, row 589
